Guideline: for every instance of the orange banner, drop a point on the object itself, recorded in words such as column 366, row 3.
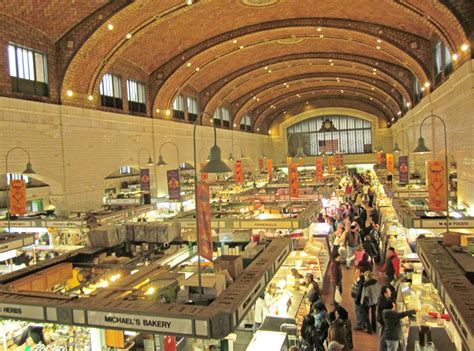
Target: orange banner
column 293, row 176
column 330, row 164
column 339, row 161
column 238, row 172
column 260, row 164
column 203, row 208
column 301, row 161
column 204, row 176
column 288, row 161
column 269, row 168
column 17, row 197
column 319, row 169
column 437, row 186
column 389, row 160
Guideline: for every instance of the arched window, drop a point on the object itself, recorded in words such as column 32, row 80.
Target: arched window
column 330, row 134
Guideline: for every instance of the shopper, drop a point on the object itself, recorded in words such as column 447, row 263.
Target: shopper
column 392, row 265
column 343, row 315
column 375, row 214
column 385, row 302
column 320, row 323
column 370, row 294
column 365, row 263
column 338, row 238
column 393, row 327
column 308, row 334
column 374, row 235
column 312, row 288
column 261, row 311
column 356, row 293
column 335, row 346
column 335, row 275
column 337, row 331
column 352, row 243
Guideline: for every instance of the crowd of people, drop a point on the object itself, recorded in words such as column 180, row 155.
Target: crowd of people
column 356, row 243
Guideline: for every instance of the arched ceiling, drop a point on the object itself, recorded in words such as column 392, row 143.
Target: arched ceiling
column 241, row 55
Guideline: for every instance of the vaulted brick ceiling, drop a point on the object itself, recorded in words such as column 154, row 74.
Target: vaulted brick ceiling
column 233, row 53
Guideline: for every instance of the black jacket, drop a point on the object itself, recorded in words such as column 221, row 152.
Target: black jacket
column 393, row 327
column 383, row 304
column 356, row 291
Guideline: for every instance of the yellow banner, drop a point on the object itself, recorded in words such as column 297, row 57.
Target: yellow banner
column 389, row 160
column 437, row 186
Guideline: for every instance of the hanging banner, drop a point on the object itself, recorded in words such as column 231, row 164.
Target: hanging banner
column 383, row 161
column 319, row 169
column 389, row 161
column 338, row 161
column 269, row 168
column 145, row 179
column 437, row 186
column 17, row 197
column 403, row 169
column 330, row 164
column 260, row 164
column 203, row 208
column 174, row 187
column 289, row 160
column 238, row 172
column 293, row 176
column 204, row 176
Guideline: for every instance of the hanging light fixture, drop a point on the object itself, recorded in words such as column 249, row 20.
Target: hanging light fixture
column 215, row 164
column 396, row 148
column 231, row 157
column 150, row 162
column 161, row 162
column 421, row 147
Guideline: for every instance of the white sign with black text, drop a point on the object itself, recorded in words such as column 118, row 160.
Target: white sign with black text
column 21, row 311
column 140, row 322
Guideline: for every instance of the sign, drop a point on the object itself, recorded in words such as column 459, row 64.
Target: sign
column 339, row 161
column 145, row 179
column 21, row 311
column 174, row 186
column 260, row 164
column 16, row 224
column 330, row 164
column 293, row 176
column 269, row 168
column 437, row 185
column 267, row 224
column 403, row 169
column 204, row 176
column 238, row 172
column 441, row 223
column 17, row 197
column 203, row 208
column 17, row 242
column 137, row 322
column 319, row 169
column 130, row 201
column 389, row 160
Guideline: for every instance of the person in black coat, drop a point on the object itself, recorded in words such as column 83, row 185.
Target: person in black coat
column 393, row 327
column 385, row 302
column 356, row 293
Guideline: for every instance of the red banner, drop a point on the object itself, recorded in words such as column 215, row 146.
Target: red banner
column 293, row 176
column 403, row 169
column 437, row 185
column 330, row 164
column 204, row 176
column 339, row 161
column 17, row 197
column 389, row 160
column 174, row 187
column 319, row 169
column 260, row 164
column 238, row 172
column 145, row 179
column 203, row 208
column 269, row 168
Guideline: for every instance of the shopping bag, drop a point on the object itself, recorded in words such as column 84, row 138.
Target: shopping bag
column 337, row 296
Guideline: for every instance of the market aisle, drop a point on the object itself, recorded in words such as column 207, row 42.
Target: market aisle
column 362, row 340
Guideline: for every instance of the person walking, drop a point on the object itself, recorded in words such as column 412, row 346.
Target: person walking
column 393, row 326
column 365, row 264
column 335, row 276
column 356, row 293
column 370, row 294
column 385, row 302
column 352, row 242
column 337, row 331
column 392, row 265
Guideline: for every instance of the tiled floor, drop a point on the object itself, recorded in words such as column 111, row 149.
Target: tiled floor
column 362, row 340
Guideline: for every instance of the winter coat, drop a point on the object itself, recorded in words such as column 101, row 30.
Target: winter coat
column 352, row 239
column 338, row 332
column 370, row 292
column 393, row 327
column 392, row 266
column 356, row 291
column 335, row 273
column 383, row 304
column 366, row 265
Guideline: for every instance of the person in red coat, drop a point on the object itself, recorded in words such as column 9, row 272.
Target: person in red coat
column 392, row 265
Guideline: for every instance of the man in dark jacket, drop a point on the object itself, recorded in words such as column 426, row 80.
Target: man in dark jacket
column 356, row 293
column 385, row 302
column 393, row 327
column 352, row 242
column 335, row 275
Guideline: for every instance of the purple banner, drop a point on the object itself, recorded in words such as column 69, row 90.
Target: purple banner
column 403, row 169
column 145, row 179
column 174, row 188
column 383, row 160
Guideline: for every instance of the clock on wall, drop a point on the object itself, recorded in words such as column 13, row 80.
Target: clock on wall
column 328, row 126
